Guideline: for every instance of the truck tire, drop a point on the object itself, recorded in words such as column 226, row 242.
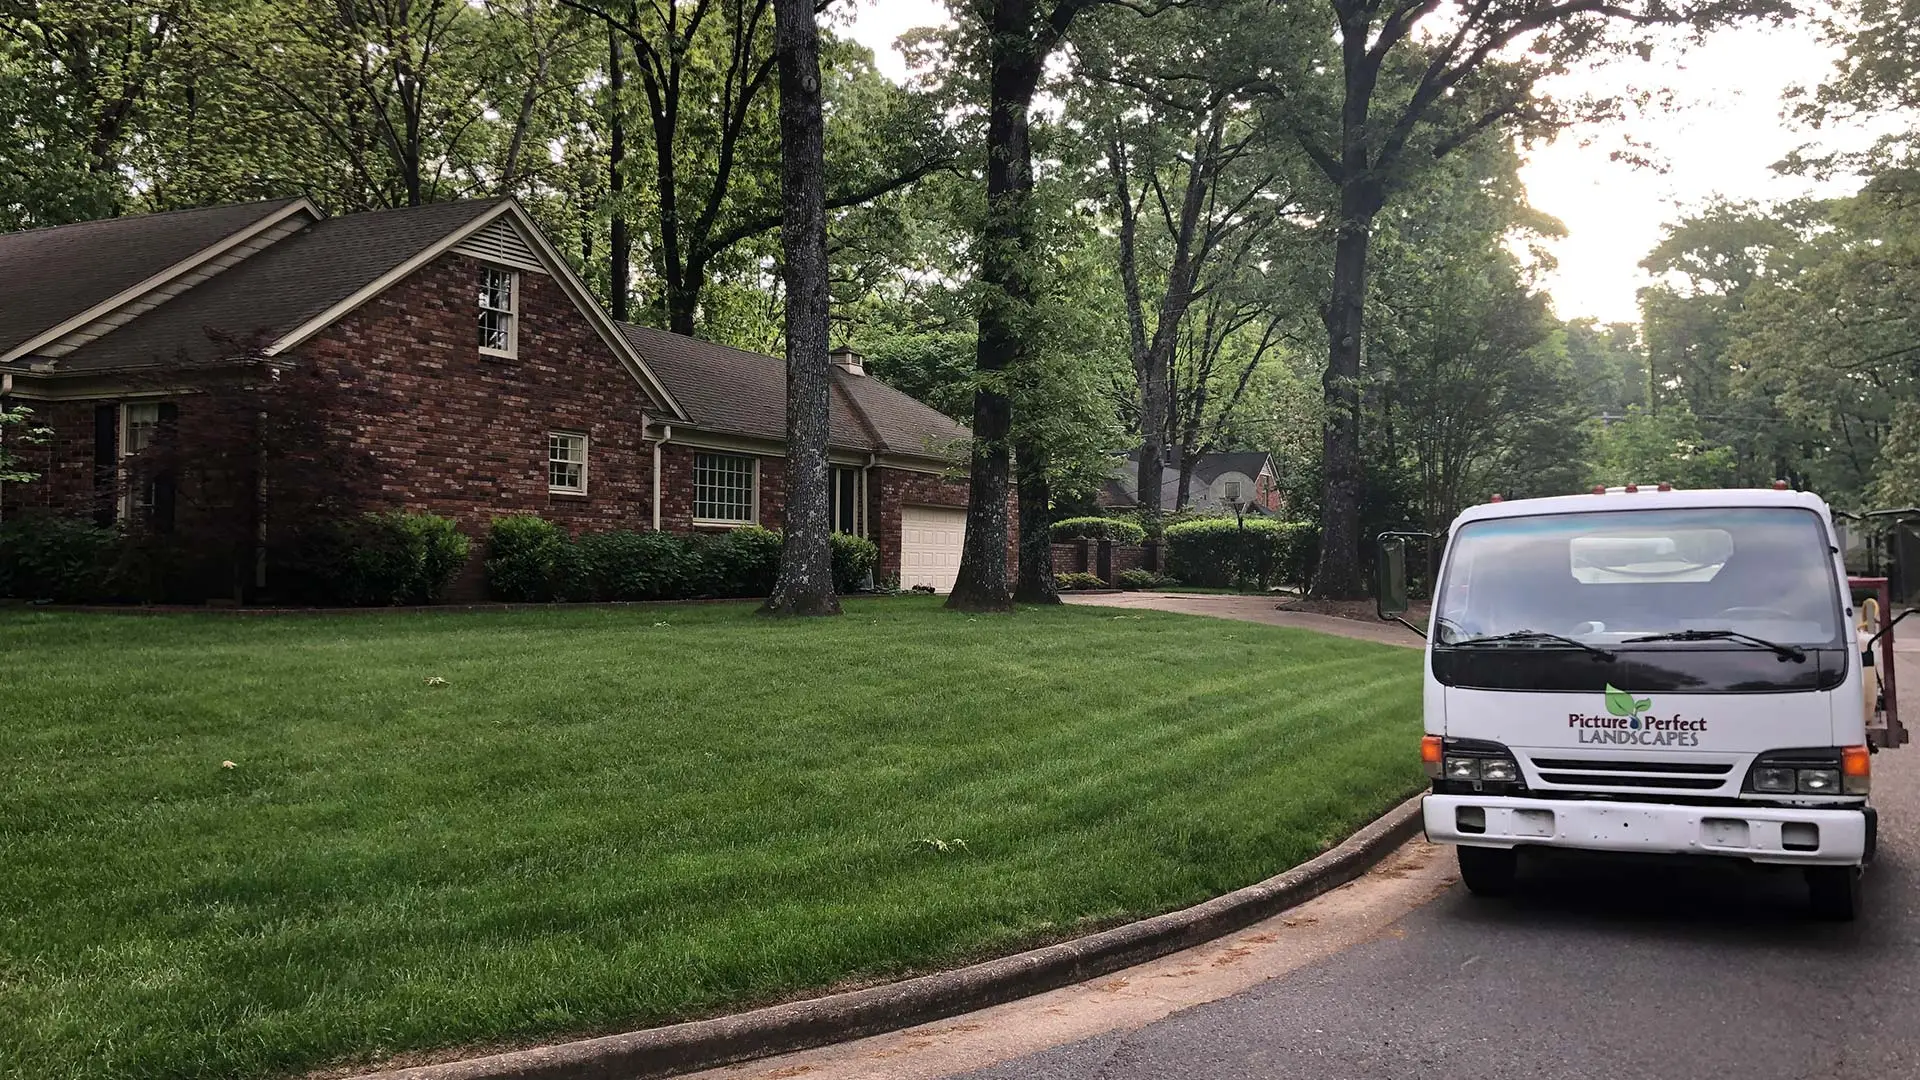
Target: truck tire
column 1488, row 871
column 1834, row 892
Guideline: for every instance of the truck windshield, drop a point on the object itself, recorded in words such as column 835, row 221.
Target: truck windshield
column 1603, row 578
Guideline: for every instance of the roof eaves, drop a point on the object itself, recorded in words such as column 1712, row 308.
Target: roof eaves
column 184, row 266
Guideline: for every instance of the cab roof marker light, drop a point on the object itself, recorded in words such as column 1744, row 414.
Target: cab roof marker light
column 1664, row 486
column 1631, row 488
column 1779, row 485
column 1599, row 489
column 1495, row 497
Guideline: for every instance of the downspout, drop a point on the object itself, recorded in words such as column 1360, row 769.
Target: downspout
column 666, row 432
column 866, row 520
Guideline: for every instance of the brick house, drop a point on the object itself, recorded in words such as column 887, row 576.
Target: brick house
column 450, row 361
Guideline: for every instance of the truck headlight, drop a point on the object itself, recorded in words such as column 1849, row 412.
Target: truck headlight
column 1499, row 769
column 1463, row 768
column 1778, row 781
column 1819, row 781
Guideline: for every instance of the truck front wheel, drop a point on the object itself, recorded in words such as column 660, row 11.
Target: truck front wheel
column 1488, row 871
column 1834, row 892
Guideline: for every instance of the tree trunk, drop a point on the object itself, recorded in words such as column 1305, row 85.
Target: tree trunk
column 619, row 244
column 1036, row 585
column 1338, row 576
column 1005, row 271
column 805, row 584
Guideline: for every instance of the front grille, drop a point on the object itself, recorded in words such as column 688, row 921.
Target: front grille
column 1698, row 768
column 1615, row 773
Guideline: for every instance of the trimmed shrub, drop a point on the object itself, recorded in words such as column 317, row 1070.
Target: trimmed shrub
column 1073, row 580
column 626, row 565
column 1098, row 528
column 380, row 559
column 743, row 562
column 1141, row 578
column 528, row 559
column 62, row 559
column 1221, row 553
column 854, row 558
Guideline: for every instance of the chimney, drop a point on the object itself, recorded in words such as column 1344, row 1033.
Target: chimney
column 845, row 358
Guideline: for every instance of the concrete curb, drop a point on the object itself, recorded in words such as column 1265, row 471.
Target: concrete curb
column 780, row 1029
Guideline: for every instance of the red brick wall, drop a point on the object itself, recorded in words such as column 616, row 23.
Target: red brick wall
column 1073, row 557
column 676, row 487
column 456, row 433
column 64, row 460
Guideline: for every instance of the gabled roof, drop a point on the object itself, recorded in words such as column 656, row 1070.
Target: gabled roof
column 275, row 299
column 278, row 290
column 64, row 274
column 732, row 391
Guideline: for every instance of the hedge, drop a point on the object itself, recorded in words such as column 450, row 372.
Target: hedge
column 377, row 560
column 65, row 560
column 1222, row 552
column 531, row 559
column 1117, row 530
column 1073, row 580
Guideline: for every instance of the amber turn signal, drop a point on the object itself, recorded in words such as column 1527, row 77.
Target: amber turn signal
column 1431, row 752
column 1856, row 770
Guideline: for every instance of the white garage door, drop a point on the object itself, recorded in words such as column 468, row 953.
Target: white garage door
column 930, row 539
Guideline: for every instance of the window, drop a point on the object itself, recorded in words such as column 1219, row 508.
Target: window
column 566, row 463
column 498, row 335
column 1233, row 491
column 138, row 423
column 723, row 488
column 847, row 513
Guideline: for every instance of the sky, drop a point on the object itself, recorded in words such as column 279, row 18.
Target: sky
column 1720, row 137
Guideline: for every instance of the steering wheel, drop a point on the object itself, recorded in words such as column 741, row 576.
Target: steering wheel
column 1762, row 613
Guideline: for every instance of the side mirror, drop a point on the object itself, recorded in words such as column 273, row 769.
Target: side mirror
column 1390, row 592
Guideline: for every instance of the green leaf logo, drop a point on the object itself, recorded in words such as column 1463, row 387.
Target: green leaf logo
column 1621, row 703
column 1643, row 705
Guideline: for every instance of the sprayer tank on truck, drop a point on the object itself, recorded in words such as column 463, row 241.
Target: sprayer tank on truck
column 1650, row 670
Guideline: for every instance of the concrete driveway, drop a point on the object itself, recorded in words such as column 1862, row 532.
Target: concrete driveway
column 1260, row 609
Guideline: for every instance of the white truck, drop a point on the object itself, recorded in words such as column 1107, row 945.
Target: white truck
column 1651, row 670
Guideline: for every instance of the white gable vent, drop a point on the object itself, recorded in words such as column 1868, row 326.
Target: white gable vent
column 499, row 241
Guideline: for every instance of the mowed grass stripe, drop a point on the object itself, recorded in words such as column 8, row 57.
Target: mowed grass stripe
column 611, row 818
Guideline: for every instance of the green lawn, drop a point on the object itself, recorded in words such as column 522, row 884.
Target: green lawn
column 611, row 818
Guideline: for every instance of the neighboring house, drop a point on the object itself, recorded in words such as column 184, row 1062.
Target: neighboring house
column 456, row 355
column 1219, row 482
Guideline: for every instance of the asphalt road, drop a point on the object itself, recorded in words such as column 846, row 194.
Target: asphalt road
column 1597, row 968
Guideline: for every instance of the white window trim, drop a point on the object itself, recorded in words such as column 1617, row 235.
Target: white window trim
column 859, row 499
column 124, row 504
column 512, row 311
column 585, row 456
column 754, row 481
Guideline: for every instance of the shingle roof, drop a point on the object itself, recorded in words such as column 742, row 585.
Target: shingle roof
column 54, row 274
column 744, row 393
column 278, row 289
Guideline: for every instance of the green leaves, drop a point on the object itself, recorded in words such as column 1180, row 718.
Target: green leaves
column 1621, row 703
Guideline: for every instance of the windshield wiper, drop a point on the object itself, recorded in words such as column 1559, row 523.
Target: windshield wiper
column 1785, row 652
column 1534, row 635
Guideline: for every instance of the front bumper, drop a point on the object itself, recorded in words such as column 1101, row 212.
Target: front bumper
column 1764, row 834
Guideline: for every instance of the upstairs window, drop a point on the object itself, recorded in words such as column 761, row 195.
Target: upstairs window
column 499, row 336
column 566, row 463
column 724, row 488
column 1233, row 491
